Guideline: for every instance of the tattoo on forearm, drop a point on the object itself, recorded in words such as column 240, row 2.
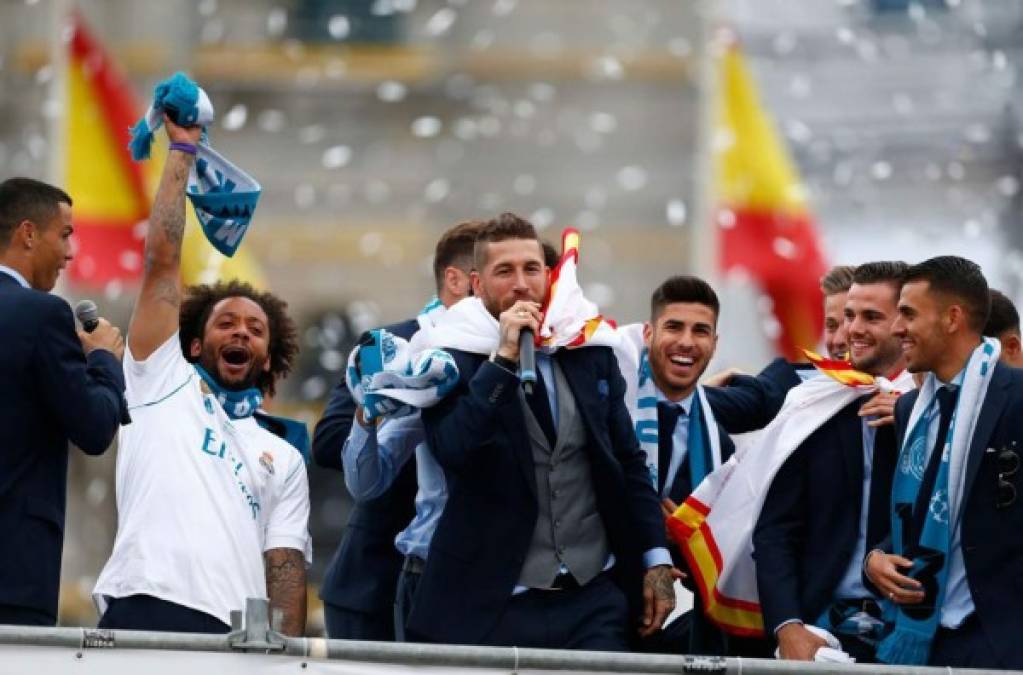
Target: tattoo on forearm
column 660, row 581
column 286, row 587
column 167, row 219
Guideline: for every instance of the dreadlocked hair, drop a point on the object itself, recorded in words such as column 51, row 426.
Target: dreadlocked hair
column 283, row 348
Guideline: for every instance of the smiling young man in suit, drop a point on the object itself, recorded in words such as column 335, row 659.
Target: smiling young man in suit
column 552, row 535
column 959, row 592
column 828, row 503
column 56, row 388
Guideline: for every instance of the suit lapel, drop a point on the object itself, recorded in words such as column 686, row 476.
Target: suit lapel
column 994, row 402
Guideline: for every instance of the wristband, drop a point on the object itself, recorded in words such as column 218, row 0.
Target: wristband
column 184, row 147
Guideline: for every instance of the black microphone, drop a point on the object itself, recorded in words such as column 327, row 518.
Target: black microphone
column 527, row 360
column 88, row 314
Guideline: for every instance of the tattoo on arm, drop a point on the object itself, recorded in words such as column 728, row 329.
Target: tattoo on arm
column 660, row 581
column 286, row 588
column 167, row 219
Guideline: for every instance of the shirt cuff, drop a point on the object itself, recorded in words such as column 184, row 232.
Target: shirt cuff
column 657, row 556
column 785, row 623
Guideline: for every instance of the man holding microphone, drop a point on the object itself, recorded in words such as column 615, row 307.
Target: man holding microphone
column 54, row 388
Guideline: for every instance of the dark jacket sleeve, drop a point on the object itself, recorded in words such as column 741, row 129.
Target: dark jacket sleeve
column 84, row 394
column 750, row 403
column 467, row 420
column 333, row 428
column 776, row 539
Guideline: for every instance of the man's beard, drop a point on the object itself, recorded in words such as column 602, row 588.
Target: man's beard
column 882, row 361
column 208, row 360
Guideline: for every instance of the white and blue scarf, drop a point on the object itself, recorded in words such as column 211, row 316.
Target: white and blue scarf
column 914, row 626
column 236, row 404
column 386, row 379
column 224, row 197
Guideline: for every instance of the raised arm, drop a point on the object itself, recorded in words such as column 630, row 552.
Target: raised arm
column 155, row 317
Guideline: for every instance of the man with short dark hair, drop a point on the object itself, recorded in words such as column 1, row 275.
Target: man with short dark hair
column 212, row 504
column 1003, row 323
column 56, row 388
column 828, row 503
column 680, row 340
column 952, row 563
column 551, row 517
column 385, row 529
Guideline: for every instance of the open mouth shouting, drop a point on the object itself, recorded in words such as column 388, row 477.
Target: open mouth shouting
column 235, row 361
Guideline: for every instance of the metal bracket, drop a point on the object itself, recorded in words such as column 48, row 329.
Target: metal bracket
column 257, row 634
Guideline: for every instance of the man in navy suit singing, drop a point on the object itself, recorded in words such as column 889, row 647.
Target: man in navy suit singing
column 552, row 529
column 54, row 387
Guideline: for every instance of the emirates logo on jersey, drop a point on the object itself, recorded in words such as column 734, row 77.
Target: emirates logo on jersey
column 266, row 460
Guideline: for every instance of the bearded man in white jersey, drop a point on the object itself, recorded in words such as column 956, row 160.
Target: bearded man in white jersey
column 212, row 507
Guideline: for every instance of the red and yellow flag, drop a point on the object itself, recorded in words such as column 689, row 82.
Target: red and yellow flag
column 841, row 371
column 766, row 228
column 112, row 194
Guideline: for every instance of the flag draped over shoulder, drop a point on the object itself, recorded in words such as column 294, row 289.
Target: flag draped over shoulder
column 714, row 526
column 765, row 227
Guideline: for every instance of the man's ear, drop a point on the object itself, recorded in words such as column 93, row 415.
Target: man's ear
column 25, row 234
column 1011, row 345
column 648, row 332
column 195, row 349
column 955, row 318
column 474, row 278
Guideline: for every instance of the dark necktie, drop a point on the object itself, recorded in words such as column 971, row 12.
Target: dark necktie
column 667, row 419
column 540, row 404
column 946, row 404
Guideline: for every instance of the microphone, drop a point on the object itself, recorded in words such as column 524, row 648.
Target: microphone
column 527, row 360
column 88, row 314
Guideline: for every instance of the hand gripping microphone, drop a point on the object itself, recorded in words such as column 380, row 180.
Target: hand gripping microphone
column 527, row 360
column 88, row 314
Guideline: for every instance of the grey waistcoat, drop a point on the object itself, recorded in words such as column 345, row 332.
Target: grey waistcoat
column 568, row 527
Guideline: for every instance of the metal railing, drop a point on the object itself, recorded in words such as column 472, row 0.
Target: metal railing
column 253, row 633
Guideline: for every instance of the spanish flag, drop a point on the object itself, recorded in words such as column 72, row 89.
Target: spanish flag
column 112, row 194
column 766, row 228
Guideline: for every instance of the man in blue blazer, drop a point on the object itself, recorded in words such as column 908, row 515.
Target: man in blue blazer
column 552, row 535
column 359, row 587
column 54, row 386
column 943, row 307
column 828, row 503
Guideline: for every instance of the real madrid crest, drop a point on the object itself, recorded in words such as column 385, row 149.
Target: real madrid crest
column 266, row 460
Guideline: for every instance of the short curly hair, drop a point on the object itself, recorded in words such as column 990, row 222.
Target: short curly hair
column 199, row 302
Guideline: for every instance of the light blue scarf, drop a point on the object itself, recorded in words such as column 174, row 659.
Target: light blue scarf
column 224, row 197
column 387, row 379
column 237, row 404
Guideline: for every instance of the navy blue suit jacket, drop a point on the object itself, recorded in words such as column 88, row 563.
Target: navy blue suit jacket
column 478, row 434
column 991, row 537
column 809, row 524
column 363, row 574
column 50, row 393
